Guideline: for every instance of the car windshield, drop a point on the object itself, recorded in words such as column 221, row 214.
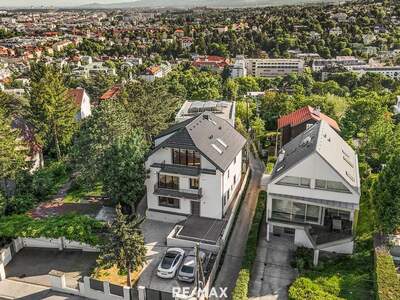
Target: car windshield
column 168, row 260
column 187, row 269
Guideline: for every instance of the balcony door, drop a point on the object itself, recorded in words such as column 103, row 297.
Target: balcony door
column 168, row 182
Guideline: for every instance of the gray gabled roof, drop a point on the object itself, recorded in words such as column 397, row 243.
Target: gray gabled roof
column 213, row 137
column 329, row 145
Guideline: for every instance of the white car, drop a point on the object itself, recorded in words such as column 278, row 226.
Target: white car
column 187, row 271
column 170, row 263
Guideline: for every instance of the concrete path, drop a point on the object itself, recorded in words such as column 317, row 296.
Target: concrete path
column 236, row 247
column 272, row 273
column 10, row 289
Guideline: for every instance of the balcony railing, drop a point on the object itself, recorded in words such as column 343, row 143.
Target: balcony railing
column 182, row 169
column 179, row 193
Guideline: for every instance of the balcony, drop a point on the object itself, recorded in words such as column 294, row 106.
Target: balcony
column 178, row 193
column 182, row 169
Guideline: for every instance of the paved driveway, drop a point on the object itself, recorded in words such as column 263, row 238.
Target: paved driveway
column 32, row 265
column 272, row 273
column 236, row 246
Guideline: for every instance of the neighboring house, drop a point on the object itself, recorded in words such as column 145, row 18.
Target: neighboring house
column 153, row 72
column 314, row 191
column 238, row 69
column 223, row 109
column 295, row 123
column 194, row 169
column 212, row 62
column 35, row 154
column 111, row 93
column 82, row 101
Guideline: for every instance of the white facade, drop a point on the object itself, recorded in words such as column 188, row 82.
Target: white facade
column 273, row 67
column 216, row 188
column 86, row 110
column 317, row 193
column 239, row 69
column 390, row 71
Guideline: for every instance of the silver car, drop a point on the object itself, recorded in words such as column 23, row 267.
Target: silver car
column 187, row 271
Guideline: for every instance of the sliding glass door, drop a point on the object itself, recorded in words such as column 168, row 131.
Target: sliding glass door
column 295, row 211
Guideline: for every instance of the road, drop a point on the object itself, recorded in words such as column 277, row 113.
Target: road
column 236, row 246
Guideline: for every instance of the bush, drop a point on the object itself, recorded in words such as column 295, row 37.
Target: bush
column 20, row 204
column 242, row 283
column 304, row 288
column 303, row 259
column 387, row 283
column 73, row 227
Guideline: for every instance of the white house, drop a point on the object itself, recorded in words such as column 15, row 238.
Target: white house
column 82, row 100
column 194, row 169
column 396, row 108
column 314, row 191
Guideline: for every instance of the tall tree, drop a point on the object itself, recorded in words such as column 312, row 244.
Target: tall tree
column 53, row 112
column 124, row 172
column 97, row 134
column 386, row 196
column 125, row 247
column 12, row 153
column 151, row 106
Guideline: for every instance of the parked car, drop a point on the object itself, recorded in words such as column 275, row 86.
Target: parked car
column 187, row 271
column 170, row 262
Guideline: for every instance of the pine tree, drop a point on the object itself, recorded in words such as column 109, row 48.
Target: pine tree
column 125, row 247
column 53, row 112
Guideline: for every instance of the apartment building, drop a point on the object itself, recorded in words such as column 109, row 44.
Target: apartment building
column 390, row 71
column 194, row 169
column 348, row 62
column 267, row 67
column 314, row 191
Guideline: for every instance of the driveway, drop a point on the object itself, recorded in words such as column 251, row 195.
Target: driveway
column 272, row 273
column 236, row 246
column 32, row 265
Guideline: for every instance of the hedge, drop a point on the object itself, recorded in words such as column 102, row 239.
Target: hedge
column 387, row 283
column 71, row 226
column 242, row 283
column 305, row 288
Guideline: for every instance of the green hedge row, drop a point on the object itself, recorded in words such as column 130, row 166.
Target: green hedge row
column 242, row 283
column 387, row 283
column 72, row 226
column 304, row 288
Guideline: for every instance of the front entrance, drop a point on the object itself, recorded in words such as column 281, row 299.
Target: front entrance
column 195, row 207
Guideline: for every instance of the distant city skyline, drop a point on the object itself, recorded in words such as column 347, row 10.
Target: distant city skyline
column 28, row 3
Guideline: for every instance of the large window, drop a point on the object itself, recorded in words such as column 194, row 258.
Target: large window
column 168, row 202
column 168, row 182
column 185, row 157
column 194, row 183
column 332, row 212
column 295, row 211
column 334, row 186
column 295, row 181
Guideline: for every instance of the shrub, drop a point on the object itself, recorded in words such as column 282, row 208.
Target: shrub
column 387, row 283
column 303, row 259
column 19, row 204
column 304, row 288
column 73, row 227
column 242, row 283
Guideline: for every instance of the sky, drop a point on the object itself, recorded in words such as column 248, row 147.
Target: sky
column 28, row 3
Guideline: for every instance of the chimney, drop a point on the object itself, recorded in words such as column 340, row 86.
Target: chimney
column 317, row 111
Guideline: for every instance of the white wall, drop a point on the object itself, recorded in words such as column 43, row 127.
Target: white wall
column 314, row 167
column 301, row 239
column 86, row 110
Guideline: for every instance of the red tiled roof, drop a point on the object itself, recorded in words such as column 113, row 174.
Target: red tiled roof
column 304, row 114
column 210, row 60
column 77, row 95
column 112, row 92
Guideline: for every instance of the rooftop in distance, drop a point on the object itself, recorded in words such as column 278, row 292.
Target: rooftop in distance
column 223, row 109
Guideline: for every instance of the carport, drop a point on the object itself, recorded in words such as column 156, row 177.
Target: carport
column 32, row 265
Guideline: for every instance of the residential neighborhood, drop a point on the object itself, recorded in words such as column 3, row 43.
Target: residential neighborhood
column 200, row 150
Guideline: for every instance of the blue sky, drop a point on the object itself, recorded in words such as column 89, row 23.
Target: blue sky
column 55, row 2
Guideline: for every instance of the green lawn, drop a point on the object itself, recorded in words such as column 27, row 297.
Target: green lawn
column 75, row 195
